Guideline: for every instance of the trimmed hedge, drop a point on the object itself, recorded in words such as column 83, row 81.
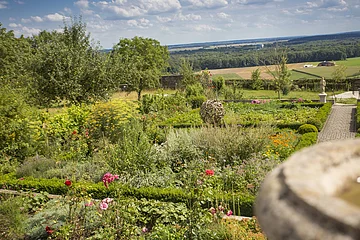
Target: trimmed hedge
column 306, row 128
column 241, row 202
column 321, row 116
column 307, row 140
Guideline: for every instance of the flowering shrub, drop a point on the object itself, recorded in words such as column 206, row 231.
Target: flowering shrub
column 109, row 178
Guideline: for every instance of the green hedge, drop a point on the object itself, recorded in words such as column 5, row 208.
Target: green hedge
column 241, row 202
column 307, row 140
column 321, row 116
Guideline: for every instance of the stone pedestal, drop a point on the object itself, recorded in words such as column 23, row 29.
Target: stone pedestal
column 323, row 97
column 299, row 199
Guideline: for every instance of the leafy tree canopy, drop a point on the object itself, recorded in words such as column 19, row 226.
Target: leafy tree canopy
column 139, row 63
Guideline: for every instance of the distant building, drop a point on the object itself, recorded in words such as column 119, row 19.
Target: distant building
column 326, row 64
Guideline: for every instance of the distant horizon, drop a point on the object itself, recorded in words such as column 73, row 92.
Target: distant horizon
column 248, row 39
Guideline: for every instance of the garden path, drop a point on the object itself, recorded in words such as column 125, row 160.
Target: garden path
column 341, row 123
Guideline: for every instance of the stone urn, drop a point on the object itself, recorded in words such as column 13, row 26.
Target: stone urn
column 315, row 194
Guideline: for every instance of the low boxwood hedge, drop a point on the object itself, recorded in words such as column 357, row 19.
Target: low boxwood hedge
column 242, row 204
column 306, row 140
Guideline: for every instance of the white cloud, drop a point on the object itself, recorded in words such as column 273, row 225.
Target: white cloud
column 25, row 20
column 14, row 25
column 141, row 23
column 12, row 19
column 208, row 3
column 136, row 8
column 188, row 17
column 3, row 4
column 36, row 19
column 204, row 28
column 28, row 31
column 67, row 10
column 55, row 17
column 159, row 6
column 163, row 19
column 330, row 5
column 82, row 3
column 19, row 2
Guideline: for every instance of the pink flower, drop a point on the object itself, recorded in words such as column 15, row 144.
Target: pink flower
column 104, row 206
column 107, row 200
column 212, row 210
column 229, row 213
column 67, row 182
column 144, row 230
column 209, row 172
column 108, row 178
column 89, row 204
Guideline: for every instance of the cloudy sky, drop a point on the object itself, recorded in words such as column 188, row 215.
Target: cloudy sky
column 184, row 21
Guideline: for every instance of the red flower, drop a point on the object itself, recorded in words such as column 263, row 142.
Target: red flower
column 49, row 230
column 68, row 182
column 209, row 172
column 74, row 132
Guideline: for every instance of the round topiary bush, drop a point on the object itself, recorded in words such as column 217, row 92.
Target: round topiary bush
column 306, row 128
column 316, row 122
column 212, row 112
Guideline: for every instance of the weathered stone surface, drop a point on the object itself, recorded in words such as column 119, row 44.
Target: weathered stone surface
column 298, row 199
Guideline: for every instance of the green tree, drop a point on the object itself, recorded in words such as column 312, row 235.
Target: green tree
column 68, row 66
column 256, row 79
column 14, row 56
column 339, row 74
column 139, row 62
column 187, row 72
column 281, row 74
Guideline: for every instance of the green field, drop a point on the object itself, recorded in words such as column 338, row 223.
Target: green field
column 352, row 64
column 227, row 76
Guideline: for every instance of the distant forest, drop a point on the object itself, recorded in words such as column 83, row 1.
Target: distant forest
column 331, row 47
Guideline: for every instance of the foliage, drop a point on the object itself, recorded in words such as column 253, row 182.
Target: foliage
column 67, row 66
column 139, row 62
column 108, row 118
column 98, row 191
column 321, row 116
column 157, row 103
column 281, row 75
column 306, row 140
column 11, row 217
column 306, row 128
column 257, row 83
column 188, row 76
column 17, row 123
column 212, row 112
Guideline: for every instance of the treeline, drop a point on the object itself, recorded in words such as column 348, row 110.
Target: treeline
column 233, row 57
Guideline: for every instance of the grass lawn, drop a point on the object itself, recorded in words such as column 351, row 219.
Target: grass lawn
column 270, row 94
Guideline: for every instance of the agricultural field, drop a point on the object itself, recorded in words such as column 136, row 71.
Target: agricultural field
column 352, row 64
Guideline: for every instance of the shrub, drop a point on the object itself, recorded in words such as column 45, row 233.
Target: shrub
column 12, row 218
column 316, row 122
column 106, row 119
column 35, row 167
column 306, row 128
column 306, row 140
column 323, row 114
column 17, row 126
column 196, row 101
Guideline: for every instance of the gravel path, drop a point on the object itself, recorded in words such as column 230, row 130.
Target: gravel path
column 341, row 124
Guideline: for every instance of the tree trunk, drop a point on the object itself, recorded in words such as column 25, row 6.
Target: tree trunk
column 139, row 95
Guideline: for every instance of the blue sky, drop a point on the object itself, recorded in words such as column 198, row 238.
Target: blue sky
column 184, row 21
